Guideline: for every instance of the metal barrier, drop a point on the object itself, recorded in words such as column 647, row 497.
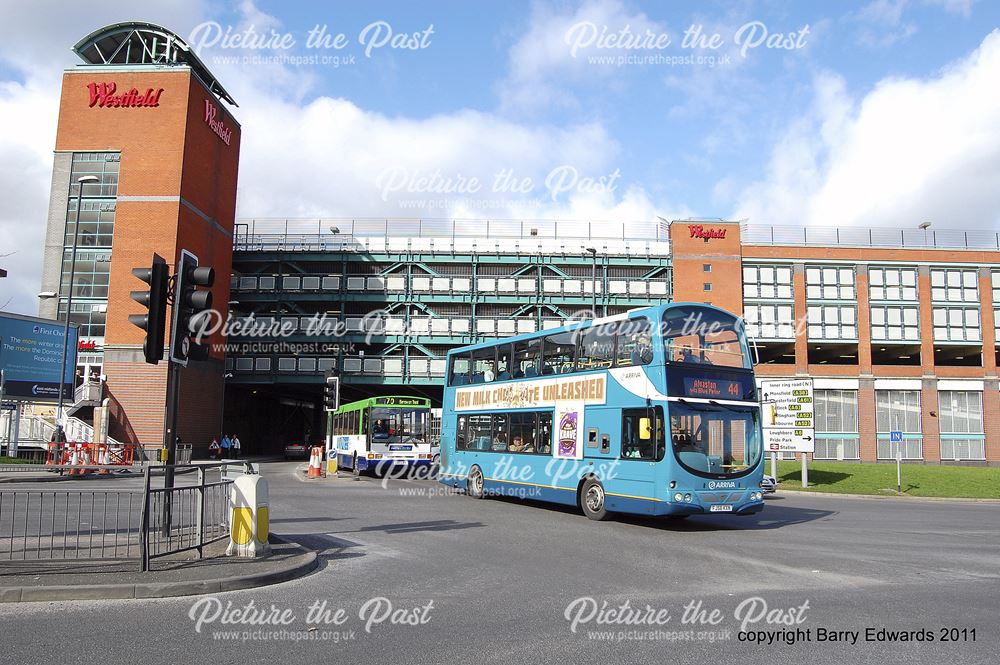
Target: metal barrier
column 103, row 524
column 184, row 453
column 69, row 524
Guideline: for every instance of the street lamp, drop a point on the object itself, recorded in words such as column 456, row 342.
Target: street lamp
column 924, row 226
column 593, row 278
column 69, row 307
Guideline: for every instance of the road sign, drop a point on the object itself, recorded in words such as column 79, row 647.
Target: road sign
column 787, row 411
column 788, row 440
column 895, row 436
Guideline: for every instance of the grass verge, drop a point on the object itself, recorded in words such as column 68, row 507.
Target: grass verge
column 973, row 482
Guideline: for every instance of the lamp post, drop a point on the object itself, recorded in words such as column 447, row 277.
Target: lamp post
column 59, row 434
column 593, row 279
column 924, row 226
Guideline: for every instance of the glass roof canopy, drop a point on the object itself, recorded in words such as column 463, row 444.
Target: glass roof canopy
column 145, row 44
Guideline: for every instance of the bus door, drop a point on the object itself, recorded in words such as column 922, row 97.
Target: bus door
column 641, row 447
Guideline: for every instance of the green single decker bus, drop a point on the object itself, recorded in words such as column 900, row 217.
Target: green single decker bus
column 379, row 433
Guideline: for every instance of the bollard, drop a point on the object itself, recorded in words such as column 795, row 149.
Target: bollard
column 331, row 461
column 250, row 519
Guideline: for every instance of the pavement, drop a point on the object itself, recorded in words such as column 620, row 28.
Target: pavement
column 177, row 575
column 408, row 571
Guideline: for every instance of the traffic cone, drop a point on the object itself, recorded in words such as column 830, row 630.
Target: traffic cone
column 86, row 460
column 105, row 459
column 315, row 464
column 74, row 461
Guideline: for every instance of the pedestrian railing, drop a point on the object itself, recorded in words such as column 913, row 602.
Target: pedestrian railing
column 165, row 516
column 38, row 525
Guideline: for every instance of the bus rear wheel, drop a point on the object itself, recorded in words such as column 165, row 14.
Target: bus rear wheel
column 475, row 485
column 592, row 499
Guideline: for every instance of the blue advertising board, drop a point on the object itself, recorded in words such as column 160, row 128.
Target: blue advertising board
column 30, row 356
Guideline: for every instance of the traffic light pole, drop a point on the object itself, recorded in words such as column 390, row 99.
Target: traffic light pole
column 170, row 437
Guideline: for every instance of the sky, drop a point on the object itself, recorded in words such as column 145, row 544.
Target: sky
column 876, row 113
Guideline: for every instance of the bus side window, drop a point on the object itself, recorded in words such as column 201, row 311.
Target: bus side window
column 597, row 347
column 522, row 433
column 483, row 365
column 459, row 371
column 504, row 362
column 559, row 353
column 634, row 345
column 544, row 433
column 526, row 355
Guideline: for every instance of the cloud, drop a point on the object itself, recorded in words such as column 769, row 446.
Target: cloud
column 35, row 43
column 312, row 155
column 882, row 23
column 554, row 50
column 910, row 150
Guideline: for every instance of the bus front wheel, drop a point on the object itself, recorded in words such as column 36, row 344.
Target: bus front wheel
column 475, row 485
column 592, row 499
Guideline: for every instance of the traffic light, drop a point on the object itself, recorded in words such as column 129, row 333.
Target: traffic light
column 155, row 301
column 331, row 393
column 189, row 303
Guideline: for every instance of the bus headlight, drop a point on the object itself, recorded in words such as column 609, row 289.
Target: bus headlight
column 678, row 497
column 687, row 497
column 673, row 484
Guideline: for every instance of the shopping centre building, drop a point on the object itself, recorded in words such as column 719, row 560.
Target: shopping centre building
column 898, row 328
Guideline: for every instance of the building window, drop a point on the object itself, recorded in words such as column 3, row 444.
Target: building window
column 892, row 283
column 89, row 316
column 836, row 418
column 707, row 286
column 706, row 267
column 829, row 283
column 832, row 322
column 995, row 279
column 770, row 321
column 956, row 324
column 962, row 425
column 94, row 239
column 953, row 285
column 892, row 323
column 767, row 281
column 898, row 410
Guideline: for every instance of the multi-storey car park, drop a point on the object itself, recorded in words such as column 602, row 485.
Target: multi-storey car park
column 898, row 328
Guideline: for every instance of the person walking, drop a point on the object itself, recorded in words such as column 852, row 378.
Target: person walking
column 225, row 446
column 235, row 446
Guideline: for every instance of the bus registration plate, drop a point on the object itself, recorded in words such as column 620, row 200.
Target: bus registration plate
column 721, row 508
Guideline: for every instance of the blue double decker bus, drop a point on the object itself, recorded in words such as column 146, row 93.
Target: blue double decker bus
column 652, row 412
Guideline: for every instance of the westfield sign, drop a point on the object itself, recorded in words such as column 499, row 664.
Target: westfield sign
column 217, row 126
column 104, row 95
column 700, row 231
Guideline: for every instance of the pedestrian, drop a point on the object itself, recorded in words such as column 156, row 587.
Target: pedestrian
column 225, row 446
column 235, row 446
column 213, row 449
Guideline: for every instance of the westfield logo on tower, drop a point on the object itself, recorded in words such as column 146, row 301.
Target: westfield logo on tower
column 217, row 126
column 706, row 233
column 103, row 96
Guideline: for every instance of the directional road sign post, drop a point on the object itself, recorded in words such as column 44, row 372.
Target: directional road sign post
column 787, row 411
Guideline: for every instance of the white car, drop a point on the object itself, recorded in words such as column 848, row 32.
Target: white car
column 768, row 485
